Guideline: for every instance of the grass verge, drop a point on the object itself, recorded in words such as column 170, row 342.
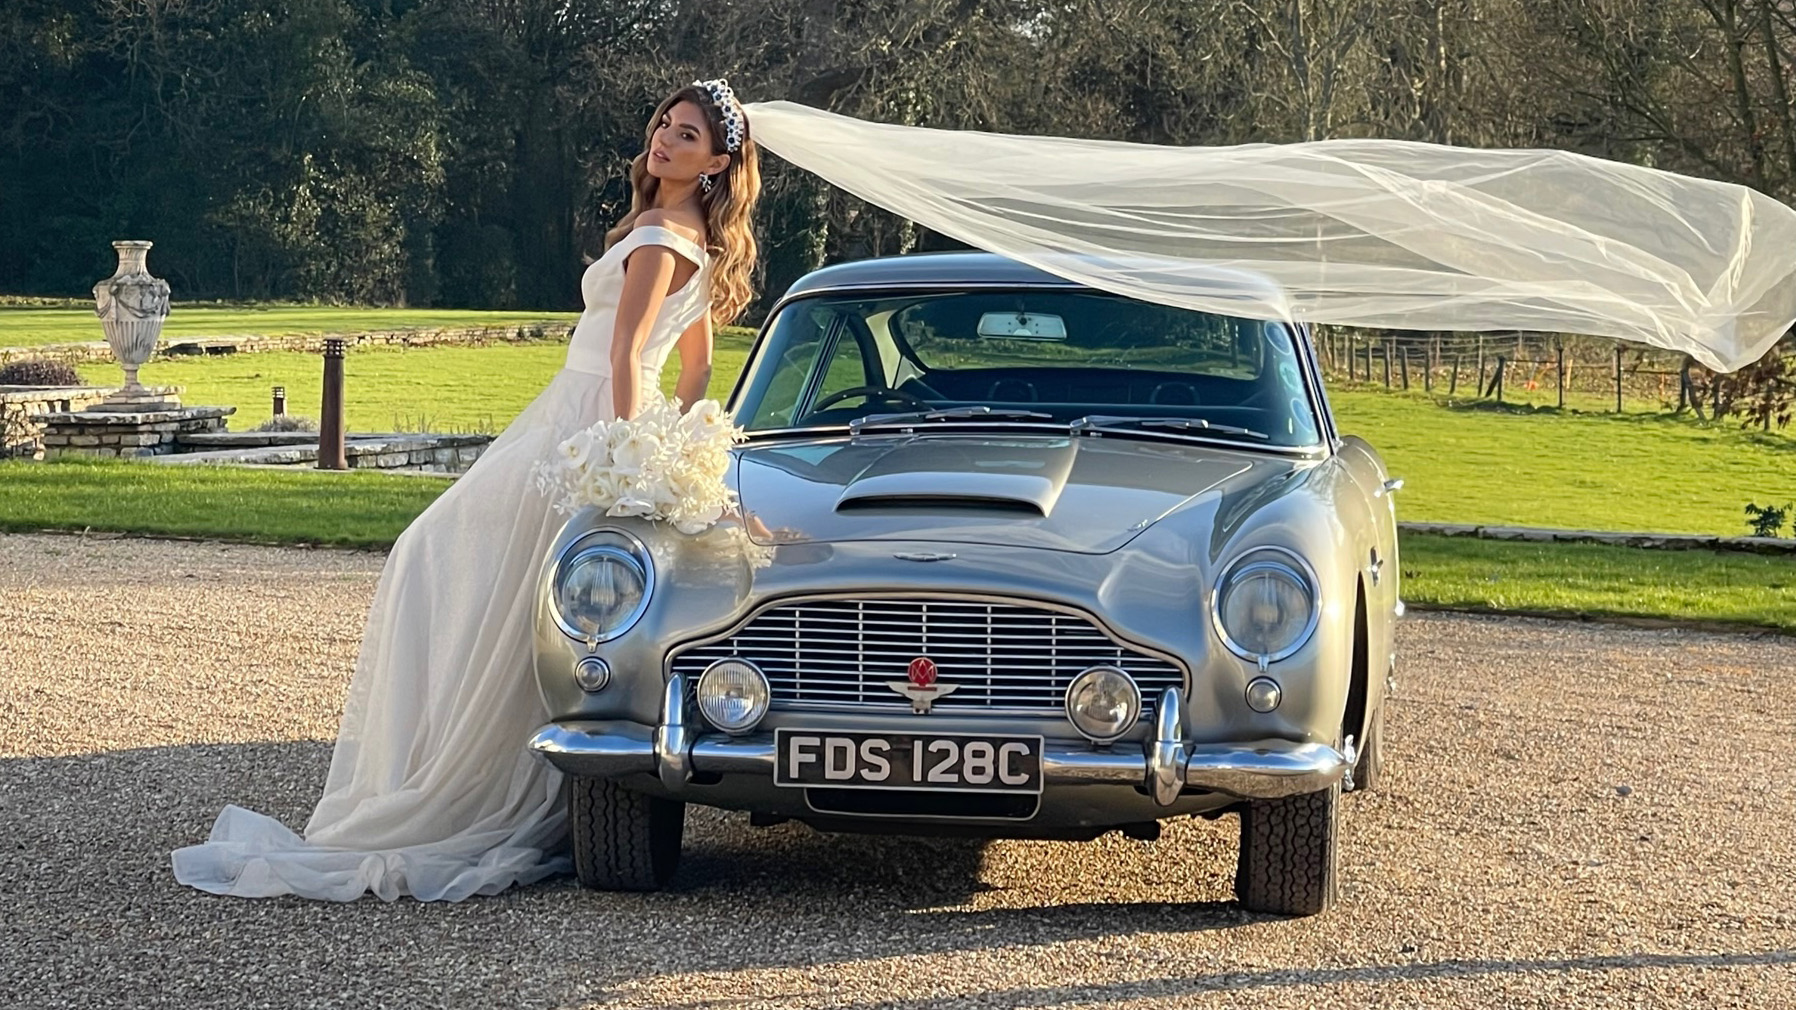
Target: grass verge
column 353, row 509
column 1714, row 588
column 368, row 510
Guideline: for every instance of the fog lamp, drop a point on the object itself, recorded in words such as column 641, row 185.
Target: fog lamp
column 733, row 695
column 1103, row 702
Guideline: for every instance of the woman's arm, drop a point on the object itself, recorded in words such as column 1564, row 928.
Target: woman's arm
column 648, row 272
column 695, row 361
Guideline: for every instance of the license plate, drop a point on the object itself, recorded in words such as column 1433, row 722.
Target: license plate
column 951, row 762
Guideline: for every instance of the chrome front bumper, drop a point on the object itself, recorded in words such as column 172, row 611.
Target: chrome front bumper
column 1164, row 765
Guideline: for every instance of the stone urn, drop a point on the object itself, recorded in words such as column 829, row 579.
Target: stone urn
column 132, row 305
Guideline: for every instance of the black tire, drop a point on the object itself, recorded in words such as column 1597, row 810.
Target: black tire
column 623, row 840
column 1289, row 862
column 1368, row 771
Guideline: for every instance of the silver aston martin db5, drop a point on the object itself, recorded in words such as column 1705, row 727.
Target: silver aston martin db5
column 1017, row 558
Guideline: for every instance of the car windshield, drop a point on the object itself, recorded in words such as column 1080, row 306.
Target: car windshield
column 1033, row 357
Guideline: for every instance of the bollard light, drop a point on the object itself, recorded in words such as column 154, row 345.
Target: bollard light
column 331, row 454
column 280, row 401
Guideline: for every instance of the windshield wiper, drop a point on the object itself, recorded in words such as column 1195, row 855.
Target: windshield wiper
column 979, row 413
column 1197, row 425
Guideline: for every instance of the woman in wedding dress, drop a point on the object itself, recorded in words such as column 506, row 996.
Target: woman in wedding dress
column 431, row 792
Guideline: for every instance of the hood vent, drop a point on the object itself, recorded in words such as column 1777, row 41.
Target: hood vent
column 941, row 503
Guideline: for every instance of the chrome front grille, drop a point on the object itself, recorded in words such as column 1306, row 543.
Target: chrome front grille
column 1001, row 656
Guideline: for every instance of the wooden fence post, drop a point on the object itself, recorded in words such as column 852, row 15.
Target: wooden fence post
column 1559, row 349
column 1403, row 363
column 1387, row 362
column 1496, row 379
column 1618, row 378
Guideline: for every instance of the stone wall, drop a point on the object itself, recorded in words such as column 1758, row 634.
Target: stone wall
column 313, row 343
column 22, row 410
column 127, row 433
column 445, row 454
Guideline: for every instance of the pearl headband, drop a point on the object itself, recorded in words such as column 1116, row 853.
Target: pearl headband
column 735, row 127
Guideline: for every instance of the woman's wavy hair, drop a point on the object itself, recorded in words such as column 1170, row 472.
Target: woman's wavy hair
column 729, row 207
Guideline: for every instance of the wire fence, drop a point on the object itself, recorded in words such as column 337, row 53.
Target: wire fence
column 1528, row 368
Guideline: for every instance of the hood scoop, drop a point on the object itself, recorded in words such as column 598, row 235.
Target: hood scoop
column 1024, row 477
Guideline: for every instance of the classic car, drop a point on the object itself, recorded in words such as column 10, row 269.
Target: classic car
column 1015, row 558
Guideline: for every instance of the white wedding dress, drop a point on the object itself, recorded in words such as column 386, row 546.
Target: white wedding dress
column 431, row 792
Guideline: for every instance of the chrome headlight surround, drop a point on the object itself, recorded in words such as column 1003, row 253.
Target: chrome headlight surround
column 1279, row 562
column 618, row 547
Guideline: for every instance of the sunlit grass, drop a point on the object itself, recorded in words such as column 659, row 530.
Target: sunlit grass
column 1476, row 463
column 1595, row 580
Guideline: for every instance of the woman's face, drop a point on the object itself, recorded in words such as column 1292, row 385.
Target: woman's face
column 681, row 148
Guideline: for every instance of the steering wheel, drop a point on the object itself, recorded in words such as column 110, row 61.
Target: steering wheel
column 871, row 393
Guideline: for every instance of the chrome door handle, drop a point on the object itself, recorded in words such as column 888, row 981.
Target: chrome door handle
column 1394, row 484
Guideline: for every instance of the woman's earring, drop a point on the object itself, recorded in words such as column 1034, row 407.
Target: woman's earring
column 705, row 183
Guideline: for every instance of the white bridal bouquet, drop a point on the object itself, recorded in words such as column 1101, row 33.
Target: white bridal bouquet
column 664, row 465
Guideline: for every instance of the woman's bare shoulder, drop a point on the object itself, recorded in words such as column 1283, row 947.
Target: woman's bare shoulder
column 686, row 226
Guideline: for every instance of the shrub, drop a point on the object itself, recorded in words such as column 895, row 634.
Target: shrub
column 287, row 422
column 39, row 372
column 1766, row 520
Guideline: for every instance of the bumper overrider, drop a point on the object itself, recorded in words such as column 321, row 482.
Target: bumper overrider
column 1164, row 765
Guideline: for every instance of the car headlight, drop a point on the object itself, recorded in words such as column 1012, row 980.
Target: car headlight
column 1265, row 605
column 733, row 695
column 1103, row 702
column 602, row 585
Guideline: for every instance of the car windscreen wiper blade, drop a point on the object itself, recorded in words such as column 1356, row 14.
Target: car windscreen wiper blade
column 978, row 413
column 1195, row 425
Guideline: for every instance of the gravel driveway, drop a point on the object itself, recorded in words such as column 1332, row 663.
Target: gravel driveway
column 1576, row 816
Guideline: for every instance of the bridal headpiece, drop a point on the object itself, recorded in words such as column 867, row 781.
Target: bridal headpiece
column 735, row 125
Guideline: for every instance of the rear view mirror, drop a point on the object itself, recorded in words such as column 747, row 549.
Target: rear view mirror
column 1022, row 326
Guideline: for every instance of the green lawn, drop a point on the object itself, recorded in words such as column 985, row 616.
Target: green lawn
column 450, row 388
column 29, row 326
column 1633, row 472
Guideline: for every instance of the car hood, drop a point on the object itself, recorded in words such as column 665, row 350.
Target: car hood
column 1084, row 494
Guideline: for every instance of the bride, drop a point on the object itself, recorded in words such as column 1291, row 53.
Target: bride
column 431, row 792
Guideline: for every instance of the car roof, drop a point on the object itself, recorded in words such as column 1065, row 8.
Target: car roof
column 926, row 268
column 983, row 269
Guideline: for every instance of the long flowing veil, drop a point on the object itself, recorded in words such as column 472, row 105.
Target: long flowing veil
column 1360, row 232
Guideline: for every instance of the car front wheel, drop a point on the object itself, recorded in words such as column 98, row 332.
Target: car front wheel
column 1289, row 863
column 623, row 840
